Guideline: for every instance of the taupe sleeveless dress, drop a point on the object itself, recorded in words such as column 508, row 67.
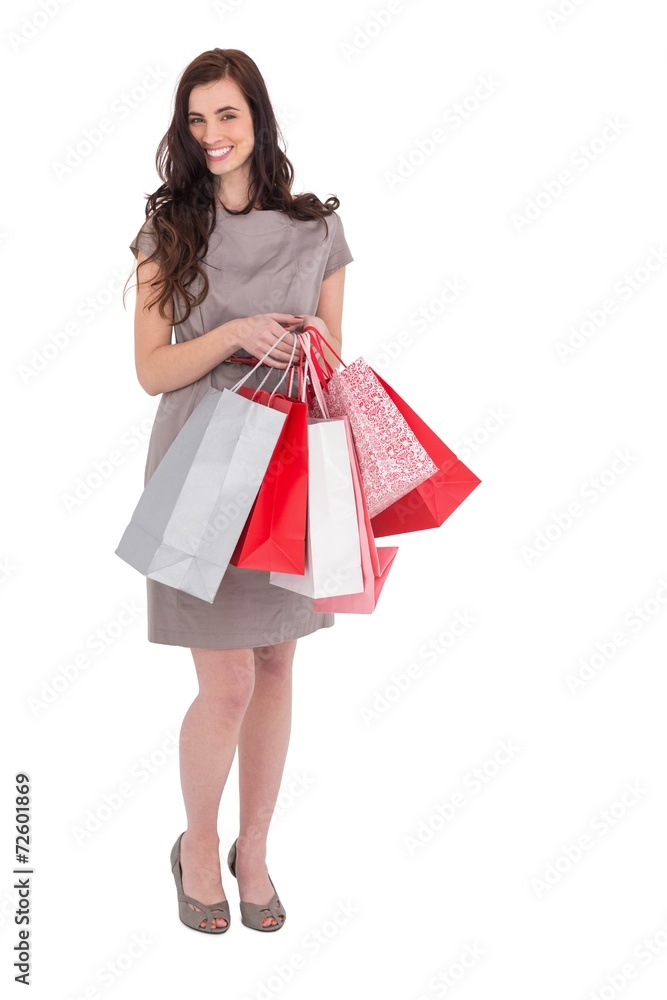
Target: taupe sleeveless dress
column 257, row 263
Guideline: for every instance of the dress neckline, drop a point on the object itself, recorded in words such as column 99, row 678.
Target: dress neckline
column 221, row 208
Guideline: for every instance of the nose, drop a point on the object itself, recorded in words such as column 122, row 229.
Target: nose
column 211, row 136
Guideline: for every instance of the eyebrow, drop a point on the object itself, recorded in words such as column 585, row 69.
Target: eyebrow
column 218, row 111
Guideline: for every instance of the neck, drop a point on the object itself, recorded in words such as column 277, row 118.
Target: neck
column 240, row 202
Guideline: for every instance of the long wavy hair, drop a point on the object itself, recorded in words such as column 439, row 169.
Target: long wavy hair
column 183, row 209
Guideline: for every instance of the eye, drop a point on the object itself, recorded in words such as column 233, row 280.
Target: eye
column 193, row 121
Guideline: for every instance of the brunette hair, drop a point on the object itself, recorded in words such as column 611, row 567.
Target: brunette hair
column 183, row 210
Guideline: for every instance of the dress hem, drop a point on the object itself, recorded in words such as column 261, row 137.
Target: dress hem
column 172, row 637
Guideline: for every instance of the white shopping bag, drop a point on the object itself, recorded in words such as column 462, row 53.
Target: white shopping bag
column 333, row 546
column 193, row 508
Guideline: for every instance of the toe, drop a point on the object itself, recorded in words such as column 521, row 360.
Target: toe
column 197, row 909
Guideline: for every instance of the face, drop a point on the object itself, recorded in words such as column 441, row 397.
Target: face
column 219, row 118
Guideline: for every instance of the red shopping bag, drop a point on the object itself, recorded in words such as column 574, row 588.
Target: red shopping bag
column 430, row 503
column 274, row 535
column 375, row 562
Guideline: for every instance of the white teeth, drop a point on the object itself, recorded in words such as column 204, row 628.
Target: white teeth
column 218, row 152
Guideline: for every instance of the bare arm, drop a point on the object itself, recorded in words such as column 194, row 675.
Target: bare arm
column 330, row 313
column 162, row 366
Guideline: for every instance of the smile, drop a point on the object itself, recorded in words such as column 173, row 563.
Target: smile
column 220, row 153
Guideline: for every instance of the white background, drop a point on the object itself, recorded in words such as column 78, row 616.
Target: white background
column 541, row 429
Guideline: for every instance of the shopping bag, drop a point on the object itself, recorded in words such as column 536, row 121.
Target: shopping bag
column 333, row 549
column 274, row 535
column 391, row 458
column 375, row 562
column 194, row 506
column 430, row 503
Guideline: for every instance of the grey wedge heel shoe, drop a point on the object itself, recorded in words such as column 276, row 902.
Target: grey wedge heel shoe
column 193, row 918
column 252, row 914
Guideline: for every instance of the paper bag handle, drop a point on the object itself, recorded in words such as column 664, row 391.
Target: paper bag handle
column 319, row 336
column 282, row 378
column 314, row 378
column 255, row 367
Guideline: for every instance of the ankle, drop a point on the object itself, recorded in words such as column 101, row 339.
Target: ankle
column 201, row 839
column 251, row 848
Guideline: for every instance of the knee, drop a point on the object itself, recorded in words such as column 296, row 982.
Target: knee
column 274, row 663
column 228, row 689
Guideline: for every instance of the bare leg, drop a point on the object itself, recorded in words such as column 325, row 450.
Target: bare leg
column 263, row 743
column 208, row 739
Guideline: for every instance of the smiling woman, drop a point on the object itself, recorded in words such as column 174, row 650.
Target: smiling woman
column 227, row 134
column 221, row 101
column 230, row 259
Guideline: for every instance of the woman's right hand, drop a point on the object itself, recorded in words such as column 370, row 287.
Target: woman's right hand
column 258, row 333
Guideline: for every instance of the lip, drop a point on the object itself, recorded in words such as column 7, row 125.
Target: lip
column 217, row 159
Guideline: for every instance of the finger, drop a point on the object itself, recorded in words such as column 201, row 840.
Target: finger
column 288, row 327
column 288, row 355
column 280, row 354
column 285, row 345
column 286, row 342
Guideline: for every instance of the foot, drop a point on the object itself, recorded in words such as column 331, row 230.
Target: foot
column 200, row 864
column 253, row 877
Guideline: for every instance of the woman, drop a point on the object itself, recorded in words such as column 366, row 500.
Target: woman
column 226, row 240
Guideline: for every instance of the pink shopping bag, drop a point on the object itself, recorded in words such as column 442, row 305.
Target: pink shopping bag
column 392, row 460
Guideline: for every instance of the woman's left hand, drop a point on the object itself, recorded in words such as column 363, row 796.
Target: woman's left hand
column 318, row 323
